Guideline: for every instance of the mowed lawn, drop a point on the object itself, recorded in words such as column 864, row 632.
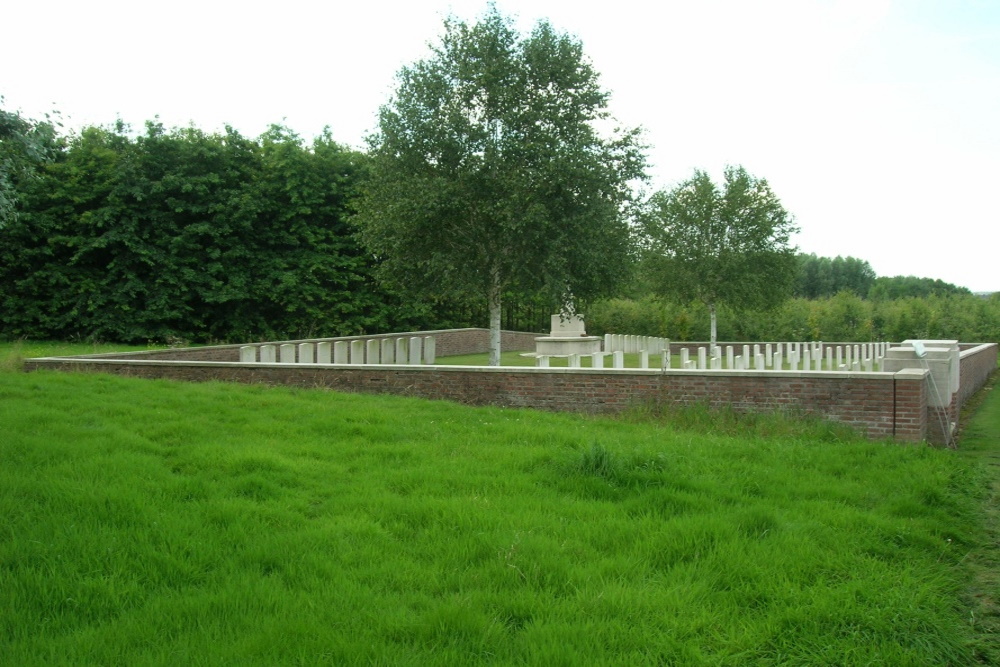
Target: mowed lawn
column 154, row 522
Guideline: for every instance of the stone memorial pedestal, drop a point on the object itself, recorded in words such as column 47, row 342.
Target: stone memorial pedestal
column 568, row 336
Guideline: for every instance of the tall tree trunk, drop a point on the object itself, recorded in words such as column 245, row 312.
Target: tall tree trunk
column 712, row 334
column 496, row 290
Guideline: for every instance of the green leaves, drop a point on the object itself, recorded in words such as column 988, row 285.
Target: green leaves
column 25, row 145
column 182, row 234
column 727, row 245
column 488, row 173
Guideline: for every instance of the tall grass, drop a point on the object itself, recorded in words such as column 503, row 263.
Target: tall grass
column 154, row 522
column 980, row 447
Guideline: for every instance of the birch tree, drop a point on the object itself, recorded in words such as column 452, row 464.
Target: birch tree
column 496, row 170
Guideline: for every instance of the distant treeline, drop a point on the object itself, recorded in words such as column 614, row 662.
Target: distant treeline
column 842, row 317
column 824, row 277
column 181, row 234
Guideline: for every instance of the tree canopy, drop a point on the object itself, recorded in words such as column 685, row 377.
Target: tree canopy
column 823, row 276
column 182, row 234
column 491, row 175
column 24, row 145
column 727, row 245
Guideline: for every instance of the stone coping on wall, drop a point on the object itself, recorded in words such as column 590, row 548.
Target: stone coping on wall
column 102, row 359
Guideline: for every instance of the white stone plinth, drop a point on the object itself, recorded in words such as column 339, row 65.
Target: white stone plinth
column 566, row 345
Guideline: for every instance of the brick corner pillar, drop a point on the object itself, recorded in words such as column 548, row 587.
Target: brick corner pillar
column 910, row 412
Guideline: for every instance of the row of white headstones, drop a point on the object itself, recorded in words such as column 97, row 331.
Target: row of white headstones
column 810, row 356
column 791, row 356
column 421, row 350
column 414, row 350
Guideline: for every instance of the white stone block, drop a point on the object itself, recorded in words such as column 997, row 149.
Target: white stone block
column 702, row 358
column 685, row 355
column 373, row 351
column 323, row 352
column 341, row 352
column 248, row 354
column 357, row 352
column 619, row 359
column 387, row 351
column 644, row 359
column 542, row 361
column 597, row 361
column 430, row 350
column 401, row 347
column 268, row 354
column 779, row 362
column 730, row 357
column 286, row 353
column 307, row 353
column 563, row 324
column 416, row 346
column 573, row 361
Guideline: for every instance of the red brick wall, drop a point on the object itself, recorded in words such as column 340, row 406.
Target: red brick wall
column 910, row 405
column 874, row 403
column 881, row 405
column 977, row 364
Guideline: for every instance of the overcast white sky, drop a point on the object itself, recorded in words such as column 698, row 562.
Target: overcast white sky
column 877, row 122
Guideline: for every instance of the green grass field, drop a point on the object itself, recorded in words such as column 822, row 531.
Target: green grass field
column 154, row 522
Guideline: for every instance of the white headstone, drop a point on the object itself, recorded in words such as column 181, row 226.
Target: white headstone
column 323, row 351
column 287, row 353
column 387, row 351
column 248, row 354
column 373, row 351
column 267, row 354
column 357, row 351
column 341, row 352
column 307, row 353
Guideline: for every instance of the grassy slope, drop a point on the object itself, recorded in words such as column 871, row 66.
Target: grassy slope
column 157, row 522
column 980, row 446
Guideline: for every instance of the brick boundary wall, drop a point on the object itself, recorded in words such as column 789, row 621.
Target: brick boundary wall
column 880, row 405
column 869, row 402
column 976, row 363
